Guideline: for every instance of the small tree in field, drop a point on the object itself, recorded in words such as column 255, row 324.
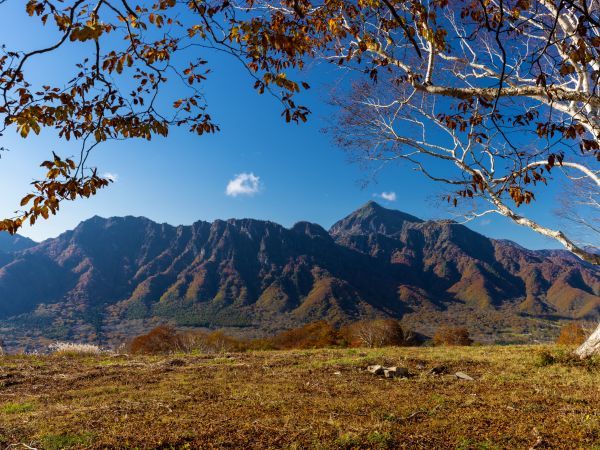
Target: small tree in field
column 452, row 336
column 376, row 333
column 162, row 339
column 572, row 334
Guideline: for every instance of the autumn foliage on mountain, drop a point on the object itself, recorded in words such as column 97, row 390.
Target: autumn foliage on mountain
column 109, row 278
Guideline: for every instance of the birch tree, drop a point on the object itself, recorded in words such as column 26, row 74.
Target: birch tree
column 497, row 100
column 503, row 102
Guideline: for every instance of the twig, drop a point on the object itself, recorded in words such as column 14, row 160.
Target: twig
column 21, row 444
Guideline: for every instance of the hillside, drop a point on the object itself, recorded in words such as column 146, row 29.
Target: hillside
column 109, row 278
column 14, row 243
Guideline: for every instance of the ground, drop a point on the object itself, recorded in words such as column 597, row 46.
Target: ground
column 521, row 397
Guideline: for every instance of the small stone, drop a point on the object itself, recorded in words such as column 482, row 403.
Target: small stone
column 393, row 372
column 438, row 370
column 338, row 373
column 376, row 369
column 463, row 376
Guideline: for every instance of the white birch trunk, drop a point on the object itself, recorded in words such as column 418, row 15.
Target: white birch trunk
column 591, row 346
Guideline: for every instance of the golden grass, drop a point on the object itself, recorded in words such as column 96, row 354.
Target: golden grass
column 522, row 395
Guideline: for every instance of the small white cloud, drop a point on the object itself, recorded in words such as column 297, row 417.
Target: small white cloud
column 389, row 196
column 243, row 184
column 111, row 176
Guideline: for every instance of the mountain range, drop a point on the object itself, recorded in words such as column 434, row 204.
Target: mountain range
column 112, row 278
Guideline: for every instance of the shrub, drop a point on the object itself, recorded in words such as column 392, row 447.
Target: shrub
column 544, row 358
column 165, row 339
column 313, row 335
column 162, row 339
column 452, row 336
column 219, row 342
column 190, row 341
column 571, row 334
column 377, row 333
column 73, row 348
column 567, row 358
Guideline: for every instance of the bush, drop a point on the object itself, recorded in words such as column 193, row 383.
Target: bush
column 162, row 339
column 571, row 334
column 377, row 333
column 544, row 358
column 72, row 348
column 452, row 336
column 165, row 339
column 218, row 342
column 313, row 335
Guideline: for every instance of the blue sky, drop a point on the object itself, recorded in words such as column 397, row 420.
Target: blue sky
column 184, row 178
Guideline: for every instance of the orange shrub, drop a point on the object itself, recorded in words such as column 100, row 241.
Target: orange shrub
column 162, row 339
column 571, row 334
column 452, row 336
column 313, row 335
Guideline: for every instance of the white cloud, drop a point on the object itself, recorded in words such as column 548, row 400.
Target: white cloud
column 243, row 184
column 111, row 176
column 389, row 196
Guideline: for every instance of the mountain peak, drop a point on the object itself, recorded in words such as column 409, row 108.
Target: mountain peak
column 14, row 243
column 310, row 229
column 371, row 205
column 372, row 217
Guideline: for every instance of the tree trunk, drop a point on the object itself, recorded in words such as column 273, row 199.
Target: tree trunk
column 591, row 346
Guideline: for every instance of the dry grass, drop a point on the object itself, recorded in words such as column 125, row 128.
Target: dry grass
column 74, row 349
column 521, row 397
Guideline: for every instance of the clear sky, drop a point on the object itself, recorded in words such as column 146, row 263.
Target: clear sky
column 299, row 173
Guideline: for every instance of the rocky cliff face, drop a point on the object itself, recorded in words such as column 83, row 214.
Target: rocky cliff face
column 88, row 283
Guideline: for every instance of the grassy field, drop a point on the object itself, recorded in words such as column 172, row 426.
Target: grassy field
column 520, row 398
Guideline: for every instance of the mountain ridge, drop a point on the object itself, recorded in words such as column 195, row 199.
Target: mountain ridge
column 110, row 277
